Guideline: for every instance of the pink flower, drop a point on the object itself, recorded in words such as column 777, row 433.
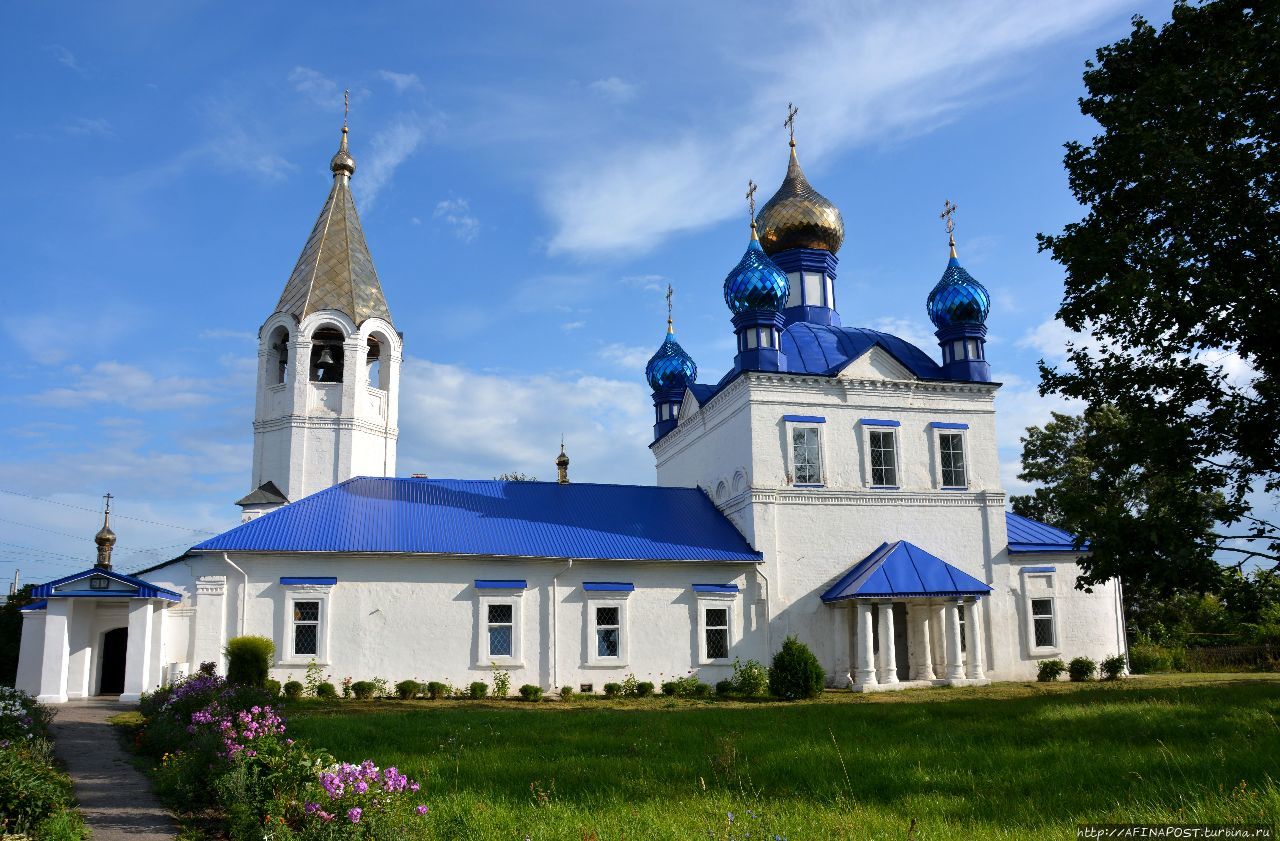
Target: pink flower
column 422, row 810
column 353, row 814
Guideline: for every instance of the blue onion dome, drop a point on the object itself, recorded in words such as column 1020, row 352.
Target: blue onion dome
column 958, row 298
column 671, row 367
column 756, row 284
column 798, row 216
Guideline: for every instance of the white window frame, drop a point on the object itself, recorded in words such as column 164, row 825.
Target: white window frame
column 607, row 599
column 1035, row 588
column 322, row 593
column 867, row 429
column 513, row 597
column 790, row 453
column 964, row 455
column 1053, row 620
column 717, row 601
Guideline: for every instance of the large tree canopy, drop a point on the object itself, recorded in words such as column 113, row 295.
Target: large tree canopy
column 1173, row 274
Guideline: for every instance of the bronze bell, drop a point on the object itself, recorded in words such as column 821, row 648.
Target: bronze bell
column 326, row 357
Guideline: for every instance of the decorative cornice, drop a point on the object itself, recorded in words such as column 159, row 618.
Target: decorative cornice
column 313, row 422
column 826, row 496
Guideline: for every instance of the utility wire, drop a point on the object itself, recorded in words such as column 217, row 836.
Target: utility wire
column 96, row 511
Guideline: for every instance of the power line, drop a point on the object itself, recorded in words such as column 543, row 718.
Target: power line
column 96, row 511
column 85, row 538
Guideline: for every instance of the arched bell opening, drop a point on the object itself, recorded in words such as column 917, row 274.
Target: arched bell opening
column 326, row 355
column 375, row 365
column 278, row 357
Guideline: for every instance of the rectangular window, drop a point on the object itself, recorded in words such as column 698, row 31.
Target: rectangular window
column 500, row 629
column 1042, row 623
column 831, row 292
column 717, row 632
column 805, row 457
column 960, row 610
column 884, row 460
column 951, row 453
column 306, row 627
column 972, row 346
column 813, row 289
column 608, row 631
column 793, row 292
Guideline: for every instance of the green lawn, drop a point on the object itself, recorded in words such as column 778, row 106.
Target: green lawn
column 1007, row 761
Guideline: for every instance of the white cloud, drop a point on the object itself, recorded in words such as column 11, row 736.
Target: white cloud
column 401, row 81
column 915, row 332
column 222, row 333
column 86, row 127
column 66, row 58
column 614, row 88
column 388, row 149
column 456, row 213
column 646, row 282
column 627, row 357
column 126, row 385
column 863, row 72
column 460, row 423
column 569, row 326
column 315, row 86
column 1049, row 338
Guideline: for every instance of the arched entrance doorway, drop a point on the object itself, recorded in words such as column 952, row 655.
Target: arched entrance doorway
column 115, row 644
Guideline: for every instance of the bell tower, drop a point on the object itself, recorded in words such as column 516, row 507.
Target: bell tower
column 328, row 364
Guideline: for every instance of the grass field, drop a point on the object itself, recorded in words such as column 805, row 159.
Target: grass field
column 1007, row 761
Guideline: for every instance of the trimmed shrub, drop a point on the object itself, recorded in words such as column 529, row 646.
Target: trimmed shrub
column 750, row 679
column 724, row 688
column 644, row 688
column 248, row 659
column 327, row 691
column 796, row 673
column 1112, row 667
column 272, row 687
column 293, row 690
column 478, row 690
column 1081, row 668
column 437, row 690
column 1050, row 670
column 363, row 690
column 566, row 692
column 670, row 687
column 407, row 690
column 702, row 690
column 529, row 692
column 612, row 690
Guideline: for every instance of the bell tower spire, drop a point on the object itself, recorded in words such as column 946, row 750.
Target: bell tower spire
column 329, row 361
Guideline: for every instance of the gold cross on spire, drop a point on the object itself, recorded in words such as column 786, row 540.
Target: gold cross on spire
column 108, row 497
column 790, row 122
column 670, row 291
column 948, row 213
column 751, row 199
column 346, row 108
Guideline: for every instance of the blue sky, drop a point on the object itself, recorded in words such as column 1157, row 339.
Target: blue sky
column 530, row 178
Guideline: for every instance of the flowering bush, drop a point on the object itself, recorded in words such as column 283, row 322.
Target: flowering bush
column 34, row 794
column 20, row 716
column 362, row 801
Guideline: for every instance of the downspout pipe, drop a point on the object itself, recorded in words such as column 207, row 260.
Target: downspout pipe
column 244, row 592
column 555, row 636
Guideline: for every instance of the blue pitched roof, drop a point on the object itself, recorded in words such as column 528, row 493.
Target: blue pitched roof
column 518, row 519
column 901, row 569
column 823, row 349
column 146, row 590
column 1027, row 535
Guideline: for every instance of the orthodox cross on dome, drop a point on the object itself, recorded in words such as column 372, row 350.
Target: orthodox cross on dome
column 751, row 200
column 108, row 497
column 670, row 329
column 346, row 108
column 790, row 122
column 948, row 213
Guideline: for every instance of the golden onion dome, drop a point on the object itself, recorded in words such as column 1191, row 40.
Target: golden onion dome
column 342, row 161
column 798, row 216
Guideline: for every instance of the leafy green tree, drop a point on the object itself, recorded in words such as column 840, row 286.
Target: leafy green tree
column 11, row 634
column 1173, row 272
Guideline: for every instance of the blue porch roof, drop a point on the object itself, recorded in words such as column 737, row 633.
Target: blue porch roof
column 496, row 518
column 145, row 589
column 900, row 570
column 1027, row 536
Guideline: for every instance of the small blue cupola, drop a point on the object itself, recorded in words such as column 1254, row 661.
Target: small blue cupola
column 958, row 307
column 670, row 371
column 755, row 292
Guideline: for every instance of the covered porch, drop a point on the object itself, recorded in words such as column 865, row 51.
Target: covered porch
column 905, row 618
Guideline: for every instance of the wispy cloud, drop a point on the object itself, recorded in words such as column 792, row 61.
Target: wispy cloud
column 388, row 149
column 626, row 357
column 86, row 127
column 905, row 328
column 570, row 326
column 126, row 385
column 315, row 86
column 66, row 58
column 402, row 82
column 221, row 333
column 457, row 215
column 864, row 72
column 614, row 89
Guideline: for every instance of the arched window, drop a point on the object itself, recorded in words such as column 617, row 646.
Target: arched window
column 375, row 365
column 278, row 361
column 326, row 356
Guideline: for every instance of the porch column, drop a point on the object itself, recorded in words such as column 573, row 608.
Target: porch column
column 977, row 642
column 137, row 661
column 920, row 648
column 866, row 658
column 938, row 639
column 888, row 655
column 57, row 652
column 955, row 666
column 841, row 676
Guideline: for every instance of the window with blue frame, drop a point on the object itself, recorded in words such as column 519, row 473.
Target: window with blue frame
column 501, row 622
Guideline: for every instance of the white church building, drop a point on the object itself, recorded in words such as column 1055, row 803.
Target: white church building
column 838, row 484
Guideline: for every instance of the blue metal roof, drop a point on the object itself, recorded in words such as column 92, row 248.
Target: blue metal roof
column 146, row 590
column 902, row 569
column 823, row 349
column 483, row 517
column 1027, row 535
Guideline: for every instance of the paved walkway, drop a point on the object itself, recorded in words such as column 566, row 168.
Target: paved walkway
column 115, row 798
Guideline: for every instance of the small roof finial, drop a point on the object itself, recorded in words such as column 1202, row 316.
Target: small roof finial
column 105, row 538
column 346, row 109
column 948, row 213
column 342, row 162
column 670, row 325
column 562, row 464
column 790, row 122
column 751, row 205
